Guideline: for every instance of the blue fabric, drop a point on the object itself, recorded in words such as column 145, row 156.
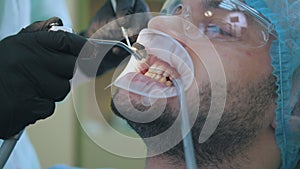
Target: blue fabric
column 23, row 156
column 285, row 55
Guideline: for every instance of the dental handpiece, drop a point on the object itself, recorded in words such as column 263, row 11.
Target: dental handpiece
column 137, row 50
column 185, row 126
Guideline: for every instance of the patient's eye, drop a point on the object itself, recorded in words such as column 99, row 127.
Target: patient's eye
column 216, row 31
column 232, row 27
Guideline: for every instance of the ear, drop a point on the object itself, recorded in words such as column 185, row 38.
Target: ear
column 294, row 119
column 295, row 91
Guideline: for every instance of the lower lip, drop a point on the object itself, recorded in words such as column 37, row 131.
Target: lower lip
column 138, row 78
column 140, row 84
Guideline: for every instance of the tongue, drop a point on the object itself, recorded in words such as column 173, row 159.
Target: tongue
column 166, row 49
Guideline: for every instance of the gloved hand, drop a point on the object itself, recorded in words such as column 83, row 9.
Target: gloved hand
column 35, row 68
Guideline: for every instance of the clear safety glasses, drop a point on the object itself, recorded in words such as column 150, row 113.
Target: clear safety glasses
column 223, row 21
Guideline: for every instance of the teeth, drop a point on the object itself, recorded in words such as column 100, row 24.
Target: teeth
column 169, row 83
column 158, row 73
column 163, row 80
column 157, row 77
column 147, row 74
column 150, row 74
column 165, row 74
column 156, row 70
column 153, row 75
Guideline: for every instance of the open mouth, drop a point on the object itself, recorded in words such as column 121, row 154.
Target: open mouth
column 158, row 70
column 153, row 76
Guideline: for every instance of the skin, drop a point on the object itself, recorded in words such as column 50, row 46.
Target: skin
column 244, row 68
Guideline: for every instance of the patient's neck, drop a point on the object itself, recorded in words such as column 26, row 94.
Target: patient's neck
column 162, row 162
column 264, row 154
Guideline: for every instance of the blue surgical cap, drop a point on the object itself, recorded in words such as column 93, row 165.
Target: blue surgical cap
column 285, row 56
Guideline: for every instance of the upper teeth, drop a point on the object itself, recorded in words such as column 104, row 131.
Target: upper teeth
column 166, row 60
column 162, row 72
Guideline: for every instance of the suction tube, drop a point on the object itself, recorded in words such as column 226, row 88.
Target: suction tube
column 7, row 147
column 185, row 126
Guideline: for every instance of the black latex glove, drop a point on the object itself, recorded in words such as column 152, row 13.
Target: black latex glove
column 35, row 68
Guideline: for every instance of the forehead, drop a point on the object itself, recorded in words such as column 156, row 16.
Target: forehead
column 223, row 20
column 202, row 3
column 199, row 10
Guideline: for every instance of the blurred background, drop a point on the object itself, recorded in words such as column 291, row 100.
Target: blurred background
column 60, row 139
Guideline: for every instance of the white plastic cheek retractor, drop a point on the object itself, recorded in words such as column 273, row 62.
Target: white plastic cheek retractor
column 165, row 49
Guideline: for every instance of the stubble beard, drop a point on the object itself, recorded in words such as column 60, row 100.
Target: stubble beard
column 241, row 123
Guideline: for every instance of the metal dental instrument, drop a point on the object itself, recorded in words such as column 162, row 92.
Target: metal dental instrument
column 61, row 28
column 7, row 147
column 125, row 34
column 185, row 126
column 140, row 50
column 136, row 50
column 55, row 27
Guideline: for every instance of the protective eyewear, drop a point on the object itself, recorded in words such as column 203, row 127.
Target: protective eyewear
column 223, row 21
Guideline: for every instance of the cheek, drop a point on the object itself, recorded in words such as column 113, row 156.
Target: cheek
column 201, row 75
column 244, row 66
column 249, row 54
column 259, row 61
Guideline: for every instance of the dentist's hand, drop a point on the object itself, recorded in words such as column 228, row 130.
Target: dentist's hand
column 35, row 68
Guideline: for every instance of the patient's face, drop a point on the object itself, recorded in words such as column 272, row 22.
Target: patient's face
column 244, row 74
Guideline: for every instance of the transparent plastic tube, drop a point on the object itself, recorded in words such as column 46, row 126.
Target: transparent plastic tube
column 185, row 127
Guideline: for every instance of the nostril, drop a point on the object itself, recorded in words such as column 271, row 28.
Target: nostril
column 177, row 10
